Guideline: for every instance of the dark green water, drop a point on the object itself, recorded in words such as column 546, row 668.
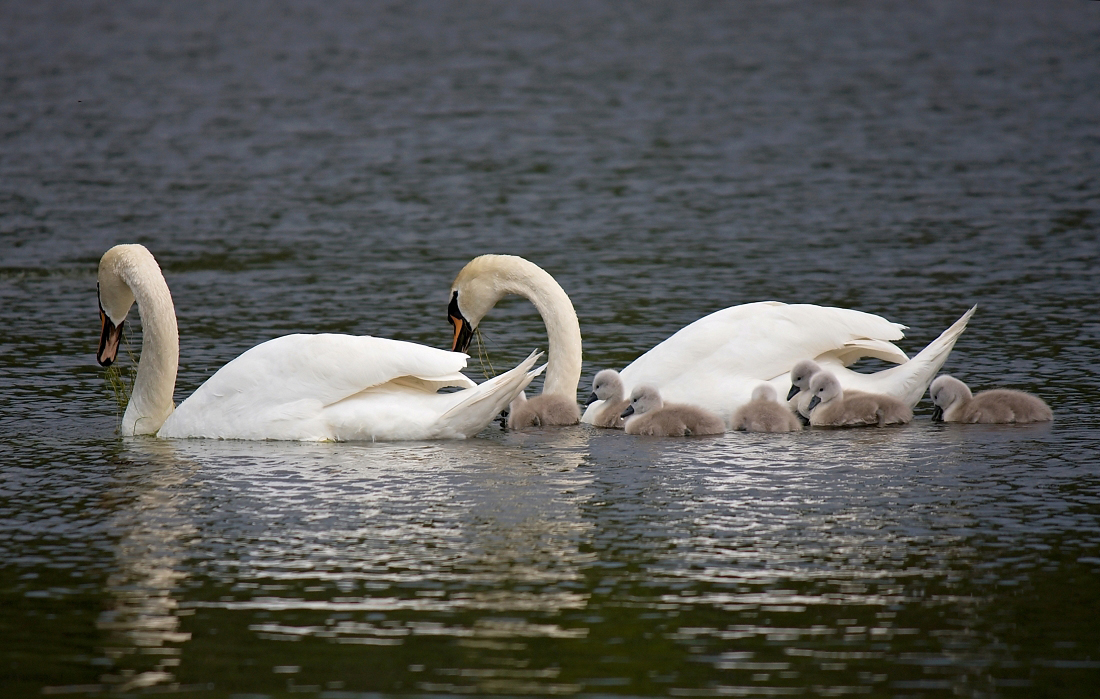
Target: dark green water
column 330, row 167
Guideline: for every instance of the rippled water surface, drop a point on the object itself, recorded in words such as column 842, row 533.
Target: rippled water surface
column 306, row 167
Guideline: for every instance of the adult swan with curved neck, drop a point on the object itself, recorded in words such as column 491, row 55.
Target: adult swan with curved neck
column 489, row 278
column 296, row 387
column 717, row 361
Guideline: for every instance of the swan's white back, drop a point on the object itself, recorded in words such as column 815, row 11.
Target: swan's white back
column 342, row 387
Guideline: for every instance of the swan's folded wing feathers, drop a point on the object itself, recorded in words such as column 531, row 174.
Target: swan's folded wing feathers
column 857, row 349
column 491, row 387
column 760, row 340
column 325, row 368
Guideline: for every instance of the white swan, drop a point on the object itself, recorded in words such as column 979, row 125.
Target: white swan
column 298, row 387
column 716, row 361
column 489, row 278
column 955, row 403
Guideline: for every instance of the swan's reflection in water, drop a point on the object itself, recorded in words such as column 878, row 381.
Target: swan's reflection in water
column 526, row 563
column 142, row 624
column 359, row 534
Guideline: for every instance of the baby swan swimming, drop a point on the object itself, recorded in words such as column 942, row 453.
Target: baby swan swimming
column 608, row 387
column 544, row 410
column 653, row 418
column 800, row 395
column 801, row 374
column 764, row 413
column 955, row 403
column 831, row 407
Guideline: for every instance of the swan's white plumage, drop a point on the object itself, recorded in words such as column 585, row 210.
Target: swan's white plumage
column 716, row 361
column 337, row 387
column 303, row 387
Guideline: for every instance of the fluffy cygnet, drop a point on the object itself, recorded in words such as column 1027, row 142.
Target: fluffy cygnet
column 831, row 407
column 764, row 413
column 608, row 387
column 798, row 398
column 955, row 403
column 544, row 410
column 652, row 417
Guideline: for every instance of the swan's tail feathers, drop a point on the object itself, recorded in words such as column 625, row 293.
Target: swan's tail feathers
column 485, row 401
column 909, row 382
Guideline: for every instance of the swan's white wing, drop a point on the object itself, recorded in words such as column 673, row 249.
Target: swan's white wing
column 278, row 389
column 761, row 340
column 716, row 361
column 393, row 411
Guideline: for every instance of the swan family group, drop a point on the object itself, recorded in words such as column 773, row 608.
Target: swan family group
column 724, row 371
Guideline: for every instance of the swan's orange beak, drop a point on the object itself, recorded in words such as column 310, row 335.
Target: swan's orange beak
column 463, row 334
column 109, row 337
column 463, row 331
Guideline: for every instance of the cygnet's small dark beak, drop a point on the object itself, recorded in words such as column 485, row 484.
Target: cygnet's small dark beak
column 591, row 399
column 793, row 392
column 814, row 401
column 628, row 412
column 937, row 414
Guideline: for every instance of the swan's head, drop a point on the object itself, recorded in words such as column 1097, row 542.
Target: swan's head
column 605, row 385
column 477, row 288
column 765, row 392
column 115, row 295
column 824, row 387
column 801, row 374
column 946, row 391
column 643, row 400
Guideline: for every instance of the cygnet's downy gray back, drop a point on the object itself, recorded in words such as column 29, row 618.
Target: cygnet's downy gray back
column 764, row 413
column 955, row 403
column 830, row 407
column 649, row 415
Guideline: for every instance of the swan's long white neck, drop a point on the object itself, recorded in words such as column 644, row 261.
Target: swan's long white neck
column 515, row 275
column 151, row 402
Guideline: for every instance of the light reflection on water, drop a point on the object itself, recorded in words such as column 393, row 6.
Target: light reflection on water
column 827, row 557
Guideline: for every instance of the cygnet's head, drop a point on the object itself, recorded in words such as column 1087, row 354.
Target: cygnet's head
column 642, row 400
column 946, row 391
column 801, row 374
column 765, row 391
column 824, row 387
column 606, row 385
